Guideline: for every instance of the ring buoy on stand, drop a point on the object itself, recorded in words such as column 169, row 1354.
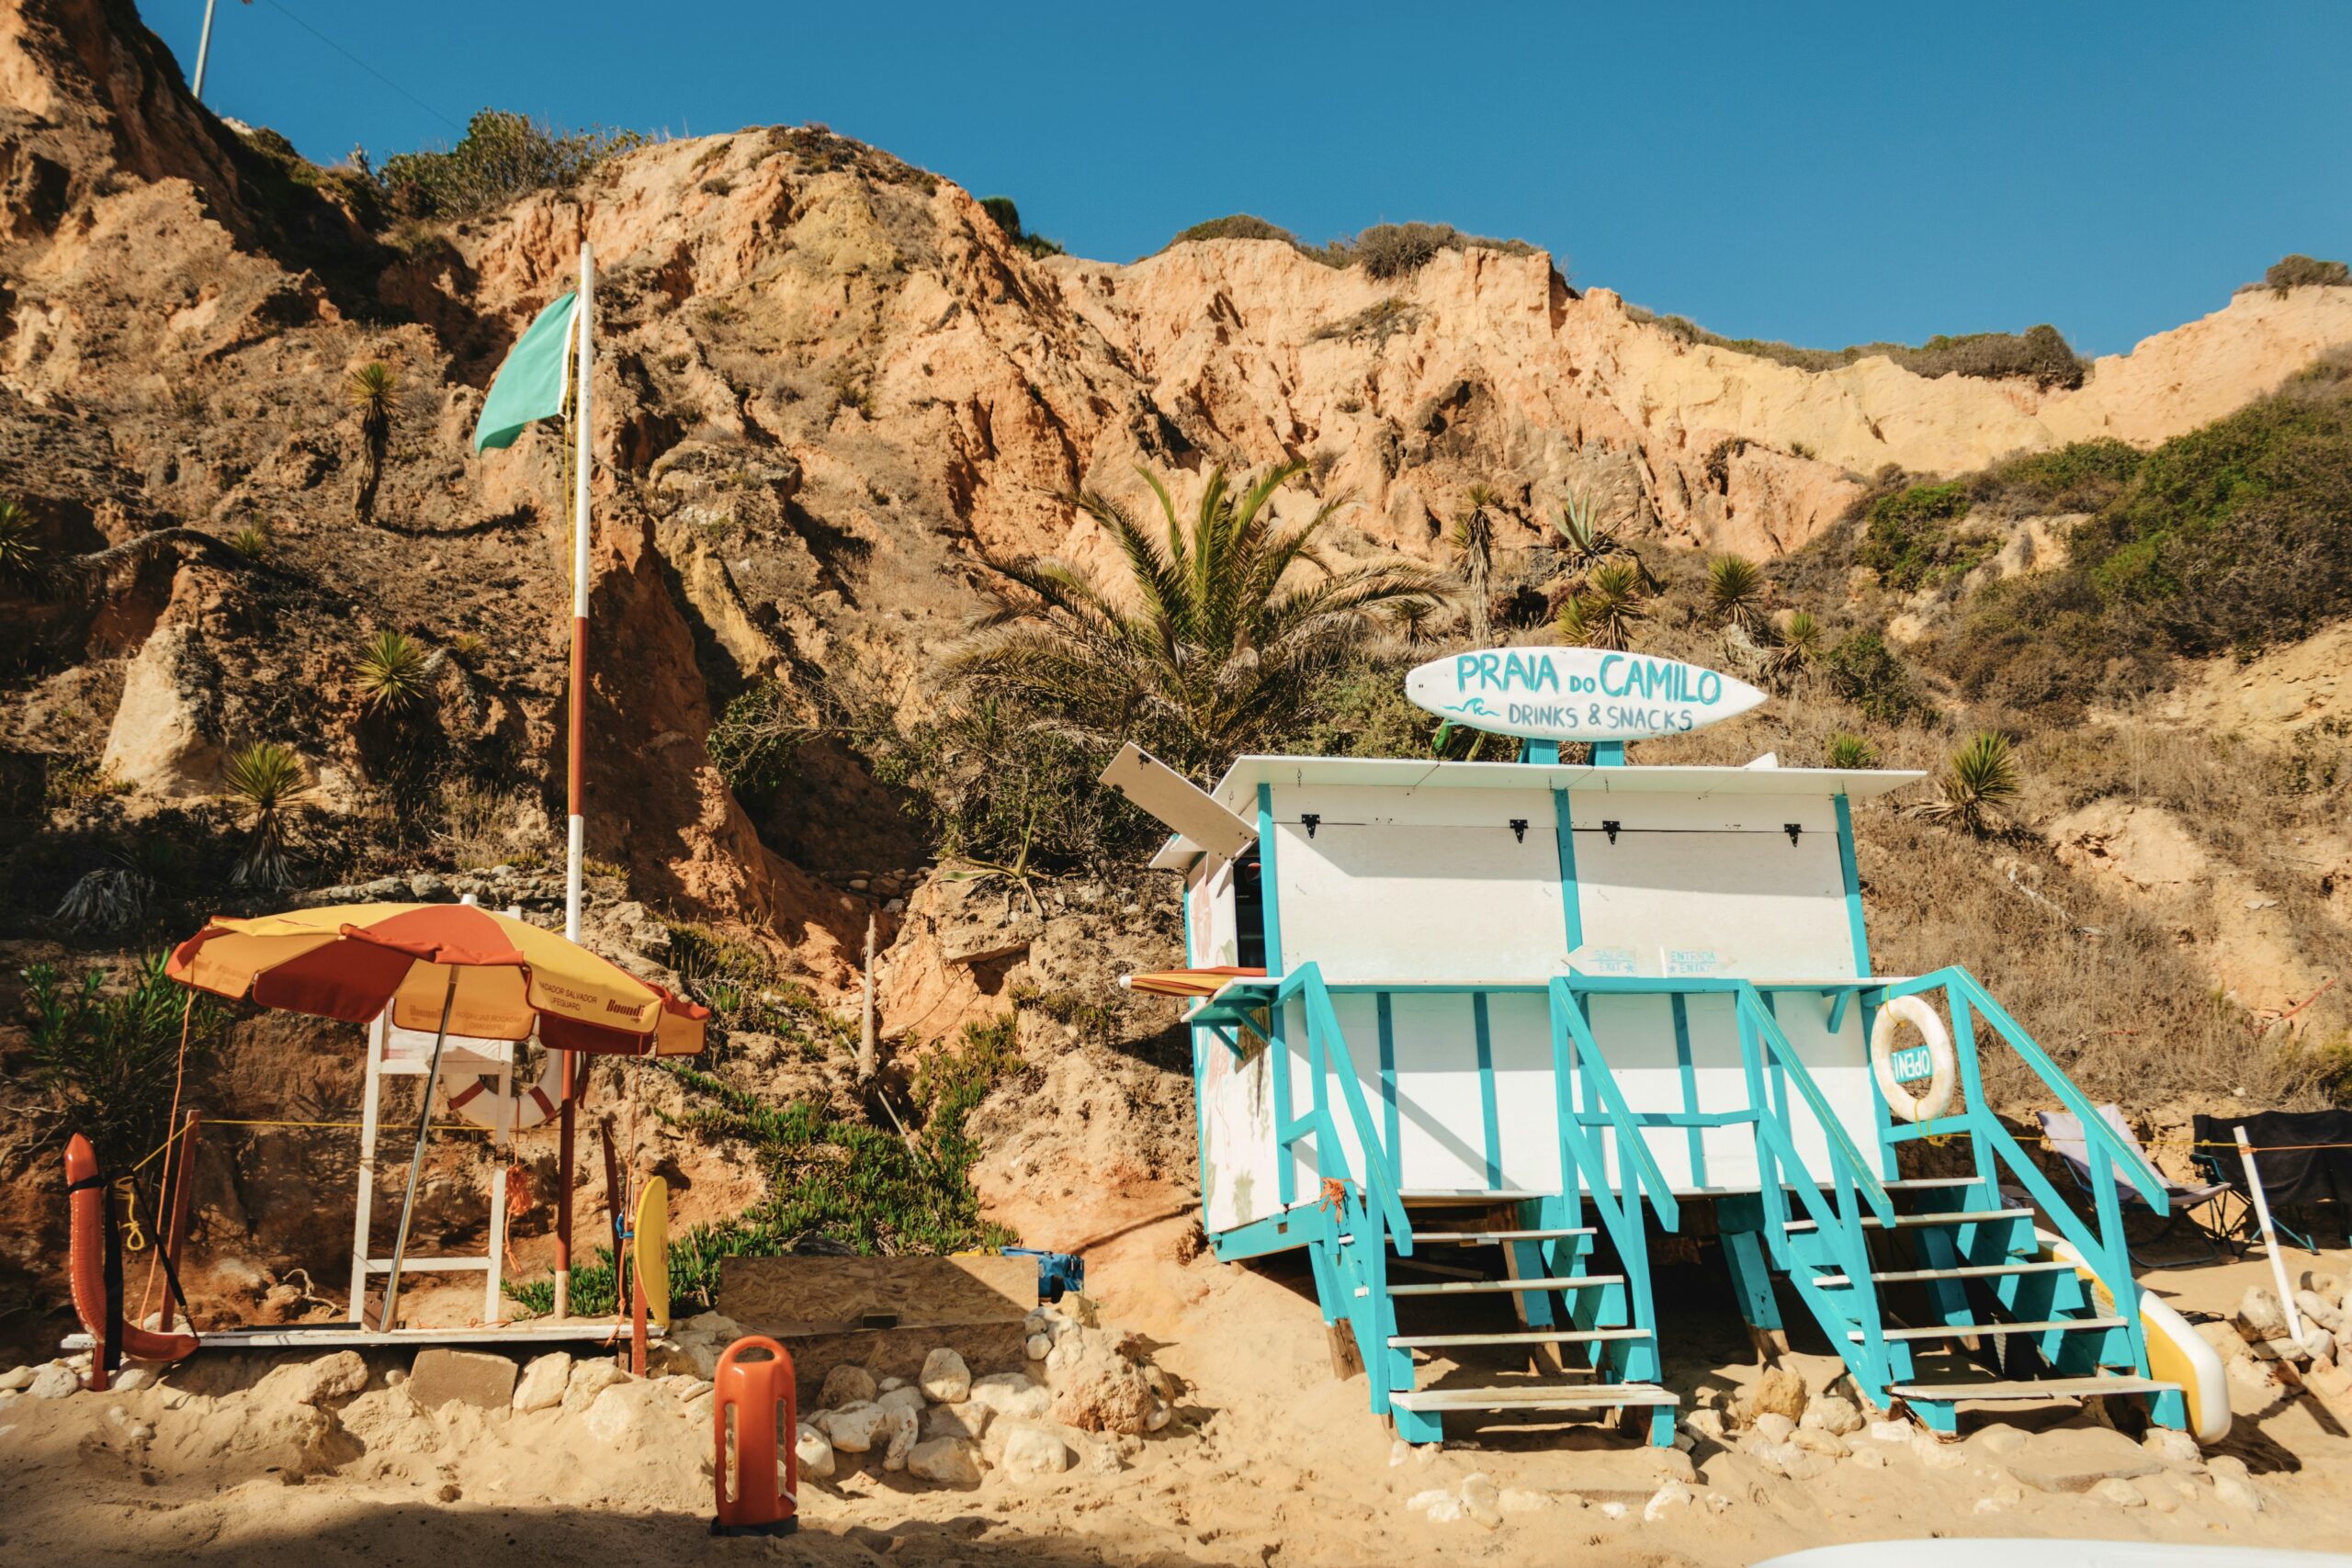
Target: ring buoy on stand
column 1944, row 1078
column 87, row 1213
column 534, row 1103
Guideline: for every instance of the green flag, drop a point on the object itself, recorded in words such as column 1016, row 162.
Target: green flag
column 530, row 384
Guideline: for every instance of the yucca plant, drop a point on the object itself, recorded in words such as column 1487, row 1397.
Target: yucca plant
column 1473, row 548
column 20, row 551
column 1609, row 610
column 1412, row 618
column 1976, row 785
column 1802, row 635
column 391, row 673
column 371, row 390
column 1848, row 750
column 1736, row 592
column 268, row 777
column 254, row 542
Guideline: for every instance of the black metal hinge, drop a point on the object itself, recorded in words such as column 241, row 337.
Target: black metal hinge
column 1795, row 831
column 1519, row 828
column 1609, row 825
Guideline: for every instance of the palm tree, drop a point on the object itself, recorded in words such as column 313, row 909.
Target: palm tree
column 1736, row 592
column 1606, row 613
column 1977, row 786
column 370, row 389
column 267, row 777
column 1473, row 542
column 1215, row 654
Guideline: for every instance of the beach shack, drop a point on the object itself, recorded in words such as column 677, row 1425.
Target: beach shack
column 1475, row 1035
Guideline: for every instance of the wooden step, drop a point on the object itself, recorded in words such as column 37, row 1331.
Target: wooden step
column 1484, row 1238
column 1961, row 1330
column 1528, row 1336
column 1967, row 1271
column 1473, row 1287
column 2028, row 1388
column 1927, row 1183
column 1925, row 1222
column 1599, row 1396
column 1437, row 1197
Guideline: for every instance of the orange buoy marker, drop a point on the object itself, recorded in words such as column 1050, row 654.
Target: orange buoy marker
column 759, row 1494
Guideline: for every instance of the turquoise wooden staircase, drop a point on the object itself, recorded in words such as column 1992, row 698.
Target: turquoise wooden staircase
column 1932, row 1289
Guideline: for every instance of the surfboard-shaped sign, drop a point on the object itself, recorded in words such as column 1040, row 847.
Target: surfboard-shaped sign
column 1576, row 694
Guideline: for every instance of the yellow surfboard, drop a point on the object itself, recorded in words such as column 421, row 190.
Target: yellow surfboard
column 651, row 1253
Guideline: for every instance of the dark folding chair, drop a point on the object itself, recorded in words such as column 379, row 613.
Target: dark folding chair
column 2064, row 1135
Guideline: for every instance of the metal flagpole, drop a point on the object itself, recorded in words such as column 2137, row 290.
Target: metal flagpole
column 203, row 51
column 576, row 833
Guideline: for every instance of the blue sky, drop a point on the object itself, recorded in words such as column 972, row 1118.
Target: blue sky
column 1822, row 173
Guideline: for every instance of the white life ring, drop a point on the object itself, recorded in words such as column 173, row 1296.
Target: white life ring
column 534, row 1103
column 1915, row 1011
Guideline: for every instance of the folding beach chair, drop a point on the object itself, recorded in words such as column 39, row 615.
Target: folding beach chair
column 2064, row 1134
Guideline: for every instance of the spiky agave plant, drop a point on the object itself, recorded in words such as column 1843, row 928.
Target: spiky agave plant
column 254, row 542
column 1802, row 635
column 268, row 777
column 1736, row 592
column 1976, row 787
column 20, row 551
column 1610, row 609
column 1587, row 543
column 391, row 673
column 1848, row 750
column 370, row 389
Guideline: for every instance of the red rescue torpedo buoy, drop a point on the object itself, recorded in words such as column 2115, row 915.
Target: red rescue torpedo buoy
column 86, row 1203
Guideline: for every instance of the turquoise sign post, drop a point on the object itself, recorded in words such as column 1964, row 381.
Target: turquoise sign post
column 1576, row 694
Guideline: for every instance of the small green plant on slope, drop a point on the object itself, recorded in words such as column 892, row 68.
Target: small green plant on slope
column 2303, row 272
column 1585, row 540
column 1801, row 636
column 1736, row 591
column 1848, row 750
column 268, row 777
column 1205, row 649
column 1473, row 549
column 108, row 1060
column 20, row 552
column 254, row 542
column 371, row 390
column 500, row 157
column 1977, row 786
column 1863, row 670
column 391, row 673
column 1609, row 610
column 1909, row 538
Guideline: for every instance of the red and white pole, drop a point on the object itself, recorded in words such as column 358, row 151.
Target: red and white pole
column 576, row 835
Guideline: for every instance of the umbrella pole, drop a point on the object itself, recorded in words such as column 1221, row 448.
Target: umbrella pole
column 416, row 1157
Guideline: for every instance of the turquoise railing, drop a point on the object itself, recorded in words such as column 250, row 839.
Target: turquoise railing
column 2106, row 1155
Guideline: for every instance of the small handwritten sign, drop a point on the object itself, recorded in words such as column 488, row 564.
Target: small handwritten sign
column 1688, row 962
column 1614, row 961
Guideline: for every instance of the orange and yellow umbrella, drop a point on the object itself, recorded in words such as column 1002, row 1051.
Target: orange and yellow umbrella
column 1202, row 982
column 450, row 968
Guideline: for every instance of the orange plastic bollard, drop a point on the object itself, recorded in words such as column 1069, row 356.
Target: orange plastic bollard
column 764, row 1403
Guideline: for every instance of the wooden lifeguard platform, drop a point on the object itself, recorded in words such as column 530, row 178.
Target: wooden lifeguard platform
column 1517, row 1019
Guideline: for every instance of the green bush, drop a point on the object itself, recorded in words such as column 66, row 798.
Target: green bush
column 2039, row 353
column 2301, row 272
column 110, row 1060
column 1907, row 538
column 1398, row 250
column 755, row 740
column 500, row 157
column 1864, row 671
column 1237, row 226
column 1007, row 218
column 2082, row 476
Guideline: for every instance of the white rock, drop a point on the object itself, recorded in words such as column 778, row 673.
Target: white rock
column 327, row 1378
column 846, row 1386
column 945, row 1378
column 1162, row 1414
column 542, row 1384
column 887, row 1384
column 2318, row 1345
column 902, row 1427
column 2164, row 1496
column 54, row 1380
column 2260, row 1315
column 815, row 1454
column 1893, row 1431
column 636, row 1417
column 2236, row 1492
column 2174, row 1447
column 1774, row 1427
column 1442, row 1507
column 16, row 1379
column 906, row 1397
column 952, row 1462
column 969, row 1419
column 1615, row 1510
column 1828, row 1444
column 589, row 1380
column 702, row 1340
column 1482, row 1500
column 1872, row 1458
column 1829, row 1413
column 1013, row 1394
column 1707, row 1424
column 1031, row 1451
column 1673, row 1495
column 2115, row 1489
column 1939, row 1455
column 1039, row 1346
column 1517, row 1500
column 131, row 1379
column 853, row 1427
column 1399, row 1452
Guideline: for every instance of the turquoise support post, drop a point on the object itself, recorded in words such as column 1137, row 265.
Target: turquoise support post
column 1539, row 750
column 1609, row 753
column 1489, row 1110
column 1266, row 899
column 1385, row 1005
column 1564, row 830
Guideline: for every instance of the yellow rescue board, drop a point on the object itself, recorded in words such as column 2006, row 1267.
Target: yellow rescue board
column 651, row 1253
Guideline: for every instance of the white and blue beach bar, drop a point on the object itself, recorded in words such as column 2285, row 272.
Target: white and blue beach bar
column 1516, row 1020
